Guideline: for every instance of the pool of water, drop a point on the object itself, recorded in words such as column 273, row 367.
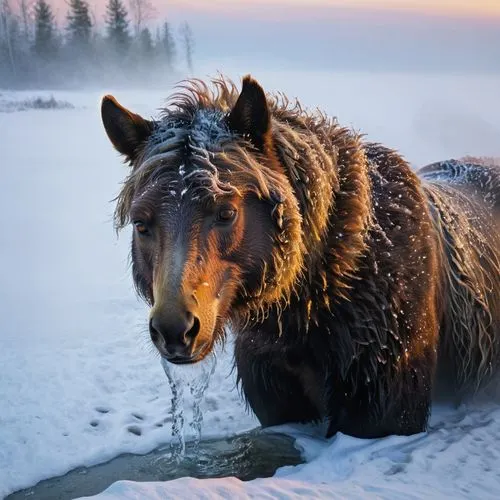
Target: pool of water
column 247, row 456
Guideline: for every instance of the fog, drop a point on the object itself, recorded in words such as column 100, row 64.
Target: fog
column 252, row 37
column 348, row 39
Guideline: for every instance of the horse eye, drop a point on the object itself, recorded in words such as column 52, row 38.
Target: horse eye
column 226, row 215
column 141, row 227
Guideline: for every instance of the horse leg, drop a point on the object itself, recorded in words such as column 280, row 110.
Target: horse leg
column 273, row 390
column 368, row 413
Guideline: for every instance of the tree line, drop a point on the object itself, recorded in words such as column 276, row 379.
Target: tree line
column 36, row 50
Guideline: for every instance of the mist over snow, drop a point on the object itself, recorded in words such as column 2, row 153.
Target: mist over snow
column 344, row 39
column 159, row 44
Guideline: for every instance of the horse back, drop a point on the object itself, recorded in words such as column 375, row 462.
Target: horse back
column 465, row 205
column 481, row 181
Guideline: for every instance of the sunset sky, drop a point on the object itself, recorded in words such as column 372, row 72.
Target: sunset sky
column 373, row 35
column 465, row 7
column 476, row 8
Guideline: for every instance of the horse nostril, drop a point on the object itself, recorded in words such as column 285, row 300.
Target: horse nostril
column 155, row 335
column 174, row 334
column 194, row 330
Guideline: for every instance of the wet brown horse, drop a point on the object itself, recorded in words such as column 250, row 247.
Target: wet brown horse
column 353, row 285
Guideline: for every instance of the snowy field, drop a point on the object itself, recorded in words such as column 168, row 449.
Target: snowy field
column 79, row 381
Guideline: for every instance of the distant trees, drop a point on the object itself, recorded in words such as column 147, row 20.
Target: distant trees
column 5, row 35
column 166, row 45
column 24, row 10
column 142, row 11
column 45, row 43
column 79, row 24
column 187, row 40
column 120, row 48
column 145, row 45
column 117, row 26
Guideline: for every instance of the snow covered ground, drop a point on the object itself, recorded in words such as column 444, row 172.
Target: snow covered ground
column 457, row 458
column 79, row 382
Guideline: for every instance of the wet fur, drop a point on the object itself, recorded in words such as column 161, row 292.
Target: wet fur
column 368, row 281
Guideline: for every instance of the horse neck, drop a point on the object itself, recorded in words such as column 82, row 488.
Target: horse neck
column 329, row 174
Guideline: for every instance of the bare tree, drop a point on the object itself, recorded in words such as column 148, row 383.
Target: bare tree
column 142, row 11
column 25, row 9
column 167, row 44
column 6, row 20
column 187, row 40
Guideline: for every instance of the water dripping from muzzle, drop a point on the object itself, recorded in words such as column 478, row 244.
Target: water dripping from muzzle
column 196, row 377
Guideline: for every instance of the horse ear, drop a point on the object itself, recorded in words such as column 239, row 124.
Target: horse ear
column 126, row 130
column 250, row 115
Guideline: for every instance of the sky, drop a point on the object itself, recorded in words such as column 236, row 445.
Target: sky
column 475, row 8
column 454, row 7
column 373, row 35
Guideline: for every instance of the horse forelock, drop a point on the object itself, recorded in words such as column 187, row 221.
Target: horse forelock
column 181, row 151
column 191, row 145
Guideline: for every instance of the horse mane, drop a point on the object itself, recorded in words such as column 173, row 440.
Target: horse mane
column 309, row 144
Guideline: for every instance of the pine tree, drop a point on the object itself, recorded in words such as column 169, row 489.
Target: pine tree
column 117, row 25
column 45, row 30
column 187, row 39
column 79, row 24
column 146, row 44
column 14, row 49
column 7, row 49
column 168, row 45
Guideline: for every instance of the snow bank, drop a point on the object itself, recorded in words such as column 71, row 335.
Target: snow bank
column 10, row 106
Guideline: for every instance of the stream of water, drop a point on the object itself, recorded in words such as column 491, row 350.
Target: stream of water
column 196, row 377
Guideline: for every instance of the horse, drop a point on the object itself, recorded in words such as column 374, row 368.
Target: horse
column 354, row 286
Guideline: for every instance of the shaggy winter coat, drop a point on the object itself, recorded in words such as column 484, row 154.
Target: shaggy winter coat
column 379, row 286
